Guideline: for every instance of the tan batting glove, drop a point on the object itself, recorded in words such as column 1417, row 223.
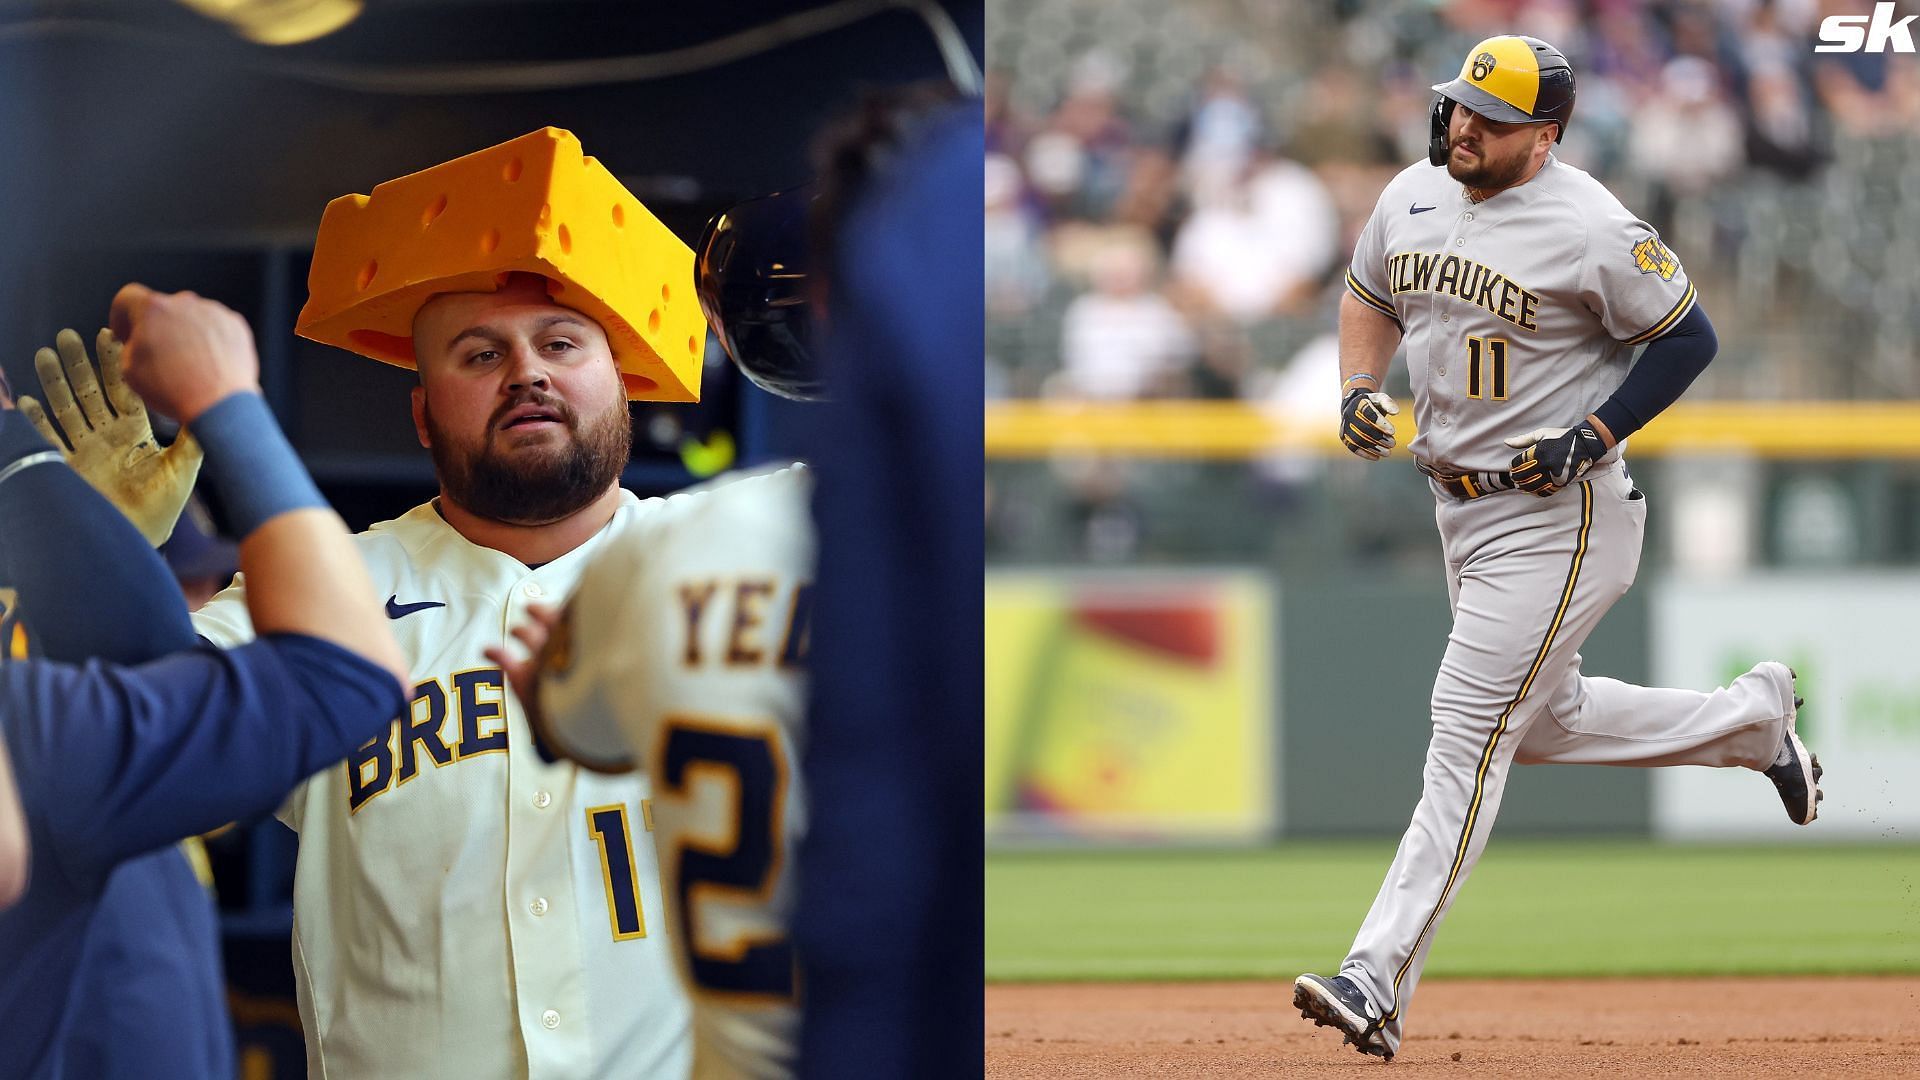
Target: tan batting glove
column 112, row 442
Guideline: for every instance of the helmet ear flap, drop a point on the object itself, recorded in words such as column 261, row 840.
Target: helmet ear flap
column 1437, row 140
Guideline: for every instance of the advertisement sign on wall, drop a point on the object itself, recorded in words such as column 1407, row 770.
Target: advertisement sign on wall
column 1850, row 639
column 1129, row 706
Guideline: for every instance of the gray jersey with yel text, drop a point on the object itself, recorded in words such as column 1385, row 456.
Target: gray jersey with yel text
column 1519, row 312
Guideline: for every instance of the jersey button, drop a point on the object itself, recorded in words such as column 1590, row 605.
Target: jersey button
column 541, row 799
column 549, row 1019
column 1469, row 215
column 1462, row 242
column 1446, row 318
column 534, row 590
column 1443, row 373
column 539, row 905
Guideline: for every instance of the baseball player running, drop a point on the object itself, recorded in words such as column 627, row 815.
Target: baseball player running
column 99, row 764
column 1520, row 288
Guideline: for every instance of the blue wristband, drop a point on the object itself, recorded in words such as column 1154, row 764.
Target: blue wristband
column 250, row 463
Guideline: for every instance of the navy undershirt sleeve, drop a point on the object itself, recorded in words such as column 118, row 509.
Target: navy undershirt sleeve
column 114, row 761
column 61, row 540
column 1664, row 371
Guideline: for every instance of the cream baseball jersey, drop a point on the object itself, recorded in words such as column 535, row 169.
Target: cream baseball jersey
column 681, row 655
column 1519, row 312
column 462, row 907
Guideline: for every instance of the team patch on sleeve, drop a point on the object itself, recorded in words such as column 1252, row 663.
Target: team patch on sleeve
column 1652, row 257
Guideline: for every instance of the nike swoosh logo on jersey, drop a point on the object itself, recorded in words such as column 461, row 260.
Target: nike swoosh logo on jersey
column 1416, row 209
column 398, row 610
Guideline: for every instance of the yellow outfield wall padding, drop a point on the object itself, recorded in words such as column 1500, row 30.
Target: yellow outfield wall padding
column 1232, row 429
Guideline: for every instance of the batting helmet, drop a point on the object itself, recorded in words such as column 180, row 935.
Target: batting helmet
column 752, row 274
column 1511, row 79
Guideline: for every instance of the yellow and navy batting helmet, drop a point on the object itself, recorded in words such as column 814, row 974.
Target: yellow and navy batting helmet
column 1511, row 79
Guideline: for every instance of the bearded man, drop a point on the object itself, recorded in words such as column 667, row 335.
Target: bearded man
column 464, row 906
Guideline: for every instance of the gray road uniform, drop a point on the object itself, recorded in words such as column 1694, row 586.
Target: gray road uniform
column 1518, row 313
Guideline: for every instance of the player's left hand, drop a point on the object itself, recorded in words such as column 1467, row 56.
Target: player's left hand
column 112, row 442
column 523, row 675
column 1553, row 458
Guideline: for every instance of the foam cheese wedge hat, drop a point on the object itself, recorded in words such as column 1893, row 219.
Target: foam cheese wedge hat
column 536, row 204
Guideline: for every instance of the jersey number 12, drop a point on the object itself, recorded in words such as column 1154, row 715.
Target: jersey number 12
column 747, row 869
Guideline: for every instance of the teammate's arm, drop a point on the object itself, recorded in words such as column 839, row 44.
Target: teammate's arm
column 112, row 762
column 523, row 675
column 587, row 737
column 194, row 359
column 89, row 583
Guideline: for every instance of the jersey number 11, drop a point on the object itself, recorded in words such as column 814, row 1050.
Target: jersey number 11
column 1487, row 368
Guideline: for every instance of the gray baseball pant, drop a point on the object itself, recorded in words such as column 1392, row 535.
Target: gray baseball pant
column 1528, row 580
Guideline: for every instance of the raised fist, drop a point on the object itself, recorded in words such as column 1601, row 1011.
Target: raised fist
column 183, row 352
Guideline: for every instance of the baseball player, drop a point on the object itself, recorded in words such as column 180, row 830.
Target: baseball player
column 682, row 651
column 102, row 763
column 681, row 654
column 463, row 908
column 1519, row 288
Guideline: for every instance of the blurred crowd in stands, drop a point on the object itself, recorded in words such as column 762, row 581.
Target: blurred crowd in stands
column 1152, row 233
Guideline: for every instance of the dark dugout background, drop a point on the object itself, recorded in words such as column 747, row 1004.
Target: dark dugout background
column 146, row 142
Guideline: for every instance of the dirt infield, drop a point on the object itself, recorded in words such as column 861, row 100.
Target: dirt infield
column 1759, row 1027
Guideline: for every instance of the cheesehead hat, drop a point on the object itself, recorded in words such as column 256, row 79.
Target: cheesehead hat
column 536, row 204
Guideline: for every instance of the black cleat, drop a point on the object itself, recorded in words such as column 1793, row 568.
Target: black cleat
column 1796, row 772
column 1337, row 1003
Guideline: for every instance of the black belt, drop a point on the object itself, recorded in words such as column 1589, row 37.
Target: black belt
column 1468, row 485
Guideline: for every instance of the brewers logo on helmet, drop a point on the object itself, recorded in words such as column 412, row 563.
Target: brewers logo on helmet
column 1509, row 79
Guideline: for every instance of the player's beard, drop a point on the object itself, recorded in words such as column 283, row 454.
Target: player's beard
column 1486, row 173
column 533, row 485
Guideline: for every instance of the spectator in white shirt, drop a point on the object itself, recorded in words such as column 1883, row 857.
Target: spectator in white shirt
column 1124, row 339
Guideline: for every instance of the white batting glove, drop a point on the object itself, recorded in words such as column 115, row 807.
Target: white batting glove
column 112, row 443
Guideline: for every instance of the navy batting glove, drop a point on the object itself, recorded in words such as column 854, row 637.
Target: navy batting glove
column 1554, row 458
column 1364, row 427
